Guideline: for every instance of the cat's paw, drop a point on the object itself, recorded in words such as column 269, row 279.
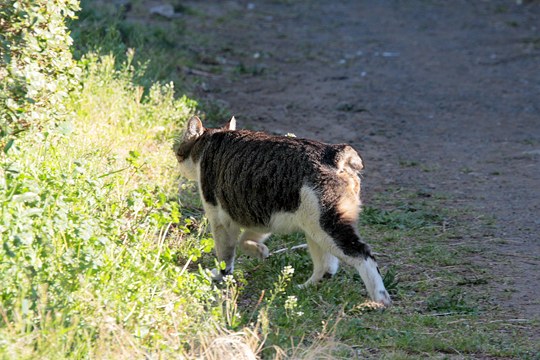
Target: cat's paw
column 382, row 297
column 217, row 275
column 313, row 280
column 255, row 249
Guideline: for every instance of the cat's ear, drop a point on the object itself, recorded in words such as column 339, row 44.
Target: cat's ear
column 194, row 129
column 231, row 125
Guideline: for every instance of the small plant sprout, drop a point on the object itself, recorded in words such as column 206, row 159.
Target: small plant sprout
column 230, row 306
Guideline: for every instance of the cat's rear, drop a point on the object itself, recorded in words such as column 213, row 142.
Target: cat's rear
column 264, row 183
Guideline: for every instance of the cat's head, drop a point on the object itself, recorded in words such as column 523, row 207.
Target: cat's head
column 184, row 144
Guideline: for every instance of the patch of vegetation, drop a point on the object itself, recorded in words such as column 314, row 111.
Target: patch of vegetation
column 405, row 217
column 408, row 163
column 253, row 70
column 92, row 232
column 108, row 29
column 452, row 302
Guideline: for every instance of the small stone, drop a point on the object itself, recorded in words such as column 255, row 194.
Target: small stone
column 165, row 10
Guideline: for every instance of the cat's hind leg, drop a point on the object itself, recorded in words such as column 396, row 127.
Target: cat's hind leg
column 252, row 244
column 333, row 229
column 324, row 263
column 349, row 248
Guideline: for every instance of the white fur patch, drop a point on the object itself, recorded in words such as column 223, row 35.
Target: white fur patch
column 189, row 169
column 373, row 281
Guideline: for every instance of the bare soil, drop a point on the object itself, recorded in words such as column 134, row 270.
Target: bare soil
column 442, row 97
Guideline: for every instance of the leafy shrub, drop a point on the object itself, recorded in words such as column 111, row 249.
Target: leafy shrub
column 36, row 67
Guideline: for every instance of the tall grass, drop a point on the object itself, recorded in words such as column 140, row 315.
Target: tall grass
column 89, row 212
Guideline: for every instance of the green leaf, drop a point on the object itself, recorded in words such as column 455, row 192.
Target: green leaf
column 8, row 145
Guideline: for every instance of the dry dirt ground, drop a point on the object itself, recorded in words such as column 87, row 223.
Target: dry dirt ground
column 442, row 97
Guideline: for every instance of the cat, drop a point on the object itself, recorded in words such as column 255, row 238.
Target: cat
column 262, row 183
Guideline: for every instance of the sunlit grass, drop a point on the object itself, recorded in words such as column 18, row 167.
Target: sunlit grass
column 89, row 213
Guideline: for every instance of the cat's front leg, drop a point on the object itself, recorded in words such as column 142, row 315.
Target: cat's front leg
column 324, row 263
column 225, row 234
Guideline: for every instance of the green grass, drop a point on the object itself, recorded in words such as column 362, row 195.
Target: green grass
column 161, row 48
column 105, row 250
column 439, row 309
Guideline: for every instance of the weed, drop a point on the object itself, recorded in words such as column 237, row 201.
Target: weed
column 408, row 163
column 391, row 281
column 254, row 70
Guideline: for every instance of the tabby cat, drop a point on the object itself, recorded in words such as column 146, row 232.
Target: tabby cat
column 262, row 183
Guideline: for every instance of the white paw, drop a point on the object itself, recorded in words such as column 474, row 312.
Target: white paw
column 263, row 251
column 255, row 249
column 313, row 280
column 305, row 285
column 217, row 275
column 382, row 297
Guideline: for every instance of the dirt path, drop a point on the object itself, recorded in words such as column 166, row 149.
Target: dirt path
column 438, row 96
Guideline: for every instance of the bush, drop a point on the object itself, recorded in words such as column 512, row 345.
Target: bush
column 36, row 67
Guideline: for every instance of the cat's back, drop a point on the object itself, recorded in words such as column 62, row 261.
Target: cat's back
column 254, row 174
column 252, row 149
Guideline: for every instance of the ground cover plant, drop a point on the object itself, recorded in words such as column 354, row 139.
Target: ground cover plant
column 105, row 250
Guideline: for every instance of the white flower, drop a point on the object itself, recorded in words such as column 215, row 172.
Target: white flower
column 291, row 303
column 288, row 270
